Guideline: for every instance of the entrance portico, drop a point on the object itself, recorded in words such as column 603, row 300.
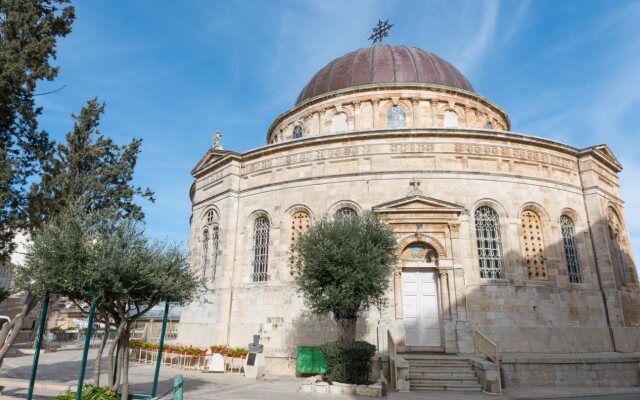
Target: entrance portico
column 423, row 300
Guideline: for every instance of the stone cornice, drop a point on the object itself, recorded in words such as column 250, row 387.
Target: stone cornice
column 488, row 137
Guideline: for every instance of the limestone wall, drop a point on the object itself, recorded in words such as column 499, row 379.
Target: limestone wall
column 465, row 168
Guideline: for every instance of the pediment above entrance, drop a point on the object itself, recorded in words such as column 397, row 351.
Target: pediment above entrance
column 419, row 204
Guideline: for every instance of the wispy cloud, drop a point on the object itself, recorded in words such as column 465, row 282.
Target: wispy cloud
column 476, row 49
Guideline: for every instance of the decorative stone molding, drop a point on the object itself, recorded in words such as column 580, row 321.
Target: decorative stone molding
column 419, row 237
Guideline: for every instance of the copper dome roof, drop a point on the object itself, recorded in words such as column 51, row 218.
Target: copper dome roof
column 383, row 64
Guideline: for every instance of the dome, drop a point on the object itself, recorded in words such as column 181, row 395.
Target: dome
column 384, row 64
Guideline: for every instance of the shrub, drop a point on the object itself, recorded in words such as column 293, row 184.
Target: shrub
column 220, row 349
column 238, row 352
column 349, row 363
column 90, row 392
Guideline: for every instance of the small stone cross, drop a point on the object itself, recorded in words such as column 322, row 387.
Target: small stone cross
column 415, row 188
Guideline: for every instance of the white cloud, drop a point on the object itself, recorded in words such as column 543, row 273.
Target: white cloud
column 475, row 50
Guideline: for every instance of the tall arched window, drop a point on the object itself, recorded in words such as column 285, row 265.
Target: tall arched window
column 533, row 246
column 346, row 212
column 614, row 230
column 299, row 225
column 489, row 245
column 215, row 239
column 396, row 117
column 260, row 249
column 570, row 249
column 211, row 215
column 339, row 123
column 450, row 119
column 205, row 251
column 297, row 132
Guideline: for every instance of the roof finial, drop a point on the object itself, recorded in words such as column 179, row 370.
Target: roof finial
column 216, row 141
column 380, row 31
column 415, row 188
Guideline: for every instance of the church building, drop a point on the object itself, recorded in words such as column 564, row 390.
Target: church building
column 515, row 237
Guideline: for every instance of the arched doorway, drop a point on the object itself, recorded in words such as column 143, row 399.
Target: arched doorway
column 420, row 297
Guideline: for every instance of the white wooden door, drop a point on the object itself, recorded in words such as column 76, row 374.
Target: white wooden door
column 420, row 309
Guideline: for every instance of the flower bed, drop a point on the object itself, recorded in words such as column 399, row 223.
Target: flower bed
column 184, row 357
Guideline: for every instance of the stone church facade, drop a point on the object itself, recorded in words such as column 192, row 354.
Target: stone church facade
column 518, row 237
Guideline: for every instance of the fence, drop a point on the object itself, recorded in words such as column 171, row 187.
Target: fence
column 55, row 338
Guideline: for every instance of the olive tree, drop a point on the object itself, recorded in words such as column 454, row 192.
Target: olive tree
column 343, row 266
column 91, row 257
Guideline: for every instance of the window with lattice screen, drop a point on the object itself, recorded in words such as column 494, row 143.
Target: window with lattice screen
column 489, row 243
column 299, row 225
column 533, row 245
column 570, row 249
column 260, row 249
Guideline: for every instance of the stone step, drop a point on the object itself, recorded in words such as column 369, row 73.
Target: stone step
column 441, row 375
column 448, row 382
column 416, row 356
column 435, row 364
column 477, row 388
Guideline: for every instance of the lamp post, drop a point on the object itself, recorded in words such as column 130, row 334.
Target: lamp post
column 36, row 355
column 165, row 317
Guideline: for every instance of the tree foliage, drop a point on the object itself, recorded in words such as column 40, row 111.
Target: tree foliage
column 87, row 257
column 29, row 30
column 343, row 266
column 89, row 171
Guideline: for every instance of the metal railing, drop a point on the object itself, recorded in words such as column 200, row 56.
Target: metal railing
column 393, row 369
column 485, row 347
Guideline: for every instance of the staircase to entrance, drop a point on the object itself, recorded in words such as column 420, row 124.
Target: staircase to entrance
column 441, row 372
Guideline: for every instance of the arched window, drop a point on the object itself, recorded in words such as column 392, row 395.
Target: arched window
column 339, row 123
column 299, row 225
column 211, row 215
column 346, row 212
column 450, row 119
column 215, row 239
column 489, row 244
column 570, row 249
column 533, row 245
column 205, row 251
column 488, row 125
column 260, row 249
column 396, row 117
column 297, row 132
column 614, row 230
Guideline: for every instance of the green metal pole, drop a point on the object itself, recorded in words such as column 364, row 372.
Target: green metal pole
column 36, row 355
column 178, row 383
column 154, row 388
column 85, row 352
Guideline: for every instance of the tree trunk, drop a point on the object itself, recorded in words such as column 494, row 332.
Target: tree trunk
column 98, row 362
column 111, row 358
column 6, row 338
column 346, row 330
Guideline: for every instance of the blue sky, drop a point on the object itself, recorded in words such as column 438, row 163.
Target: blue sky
column 172, row 73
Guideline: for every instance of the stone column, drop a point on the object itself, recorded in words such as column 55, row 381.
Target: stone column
column 374, row 109
column 414, row 112
column 397, row 293
column 356, row 115
column 445, row 297
column 434, row 111
column 320, row 121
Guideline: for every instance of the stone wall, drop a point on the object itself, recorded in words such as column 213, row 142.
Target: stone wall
column 573, row 370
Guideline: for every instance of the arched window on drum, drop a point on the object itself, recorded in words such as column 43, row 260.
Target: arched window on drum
column 260, row 262
column 450, row 119
column 339, row 123
column 396, row 117
column 489, row 243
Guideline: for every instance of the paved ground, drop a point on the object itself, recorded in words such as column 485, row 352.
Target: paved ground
column 61, row 369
